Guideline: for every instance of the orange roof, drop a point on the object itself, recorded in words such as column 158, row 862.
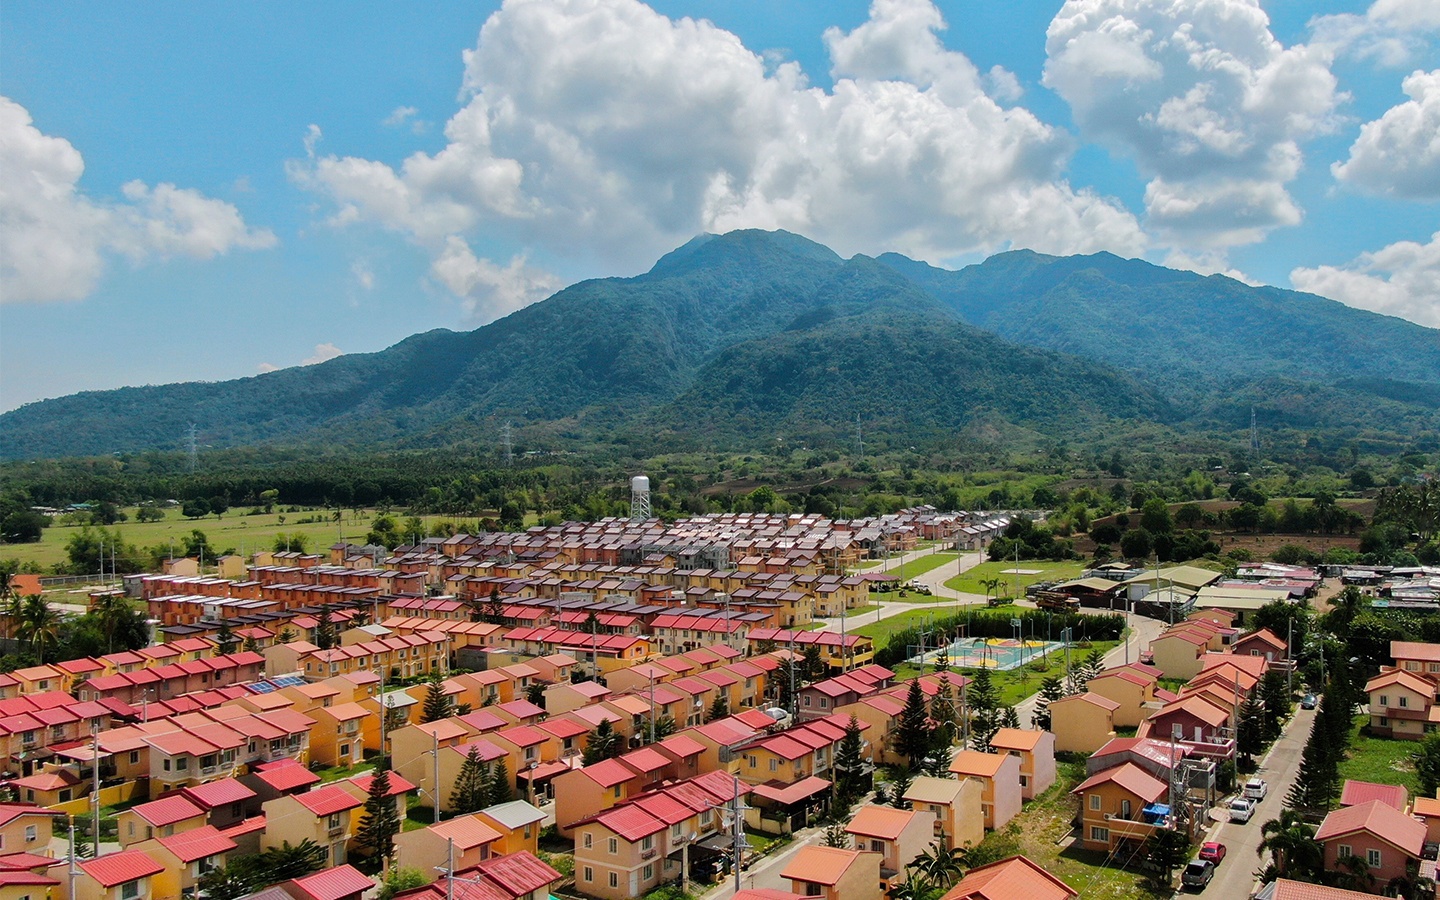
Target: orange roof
column 973, row 762
column 821, row 865
column 1285, row 889
column 881, row 822
column 1407, row 650
column 1088, row 697
column 1264, row 636
column 1376, row 818
column 467, row 832
column 1017, row 739
column 1429, row 807
column 1196, row 706
column 1401, row 677
column 1130, row 777
column 1016, row 878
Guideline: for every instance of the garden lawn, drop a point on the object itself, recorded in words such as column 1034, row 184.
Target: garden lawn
column 1016, row 684
column 919, row 566
column 971, row 582
column 1380, row 760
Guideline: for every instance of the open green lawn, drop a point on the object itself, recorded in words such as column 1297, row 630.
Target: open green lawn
column 1019, row 683
column 1380, row 760
column 243, row 533
column 919, row 566
column 971, row 582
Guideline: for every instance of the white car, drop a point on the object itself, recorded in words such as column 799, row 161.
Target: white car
column 1256, row 789
column 1241, row 809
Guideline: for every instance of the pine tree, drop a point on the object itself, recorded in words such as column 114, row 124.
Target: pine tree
column 285, row 636
column 225, row 640
column 982, row 691
column 719, row 709
column 1317, row 783
column 942, row 713
column 325, row 629
column 898, row 786
column 437, row 706
column 849, row 765
column 471, row 787
column 1276, row 700
column 912, row 731
column 604, row 744
column 814, row 667
column 250, row 645
column 1009, row 718
column 381, row 823
column 495, row 610
column 502, row 790
column 1250, row 734
column 1051, row 689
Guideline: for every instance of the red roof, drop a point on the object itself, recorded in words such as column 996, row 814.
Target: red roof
column 1133, row 779
column 168, row 810
column 1016, row 878
column 197, row 843
column 334, row 884
column 118, row 868
column 519, row 873
column 286, row 775
column 630, row 822
column 329, row 799
column 398, row 784
column 1382, row 821
column 609, row 772
column 1355, row 793
column 218, row 793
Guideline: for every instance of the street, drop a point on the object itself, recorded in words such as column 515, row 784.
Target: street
column 1235, row 877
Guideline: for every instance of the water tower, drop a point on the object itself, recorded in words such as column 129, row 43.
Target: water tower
column 639, row 498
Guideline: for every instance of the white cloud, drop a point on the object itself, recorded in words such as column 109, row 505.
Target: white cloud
column 403, row 116
column 54, row 240
column 1402, row 279
column 1399, row 153
column 361, row 272
column 601, row 127
column 489, row 291
column 1208, row 103
column 1392, row 32
column 322, row 353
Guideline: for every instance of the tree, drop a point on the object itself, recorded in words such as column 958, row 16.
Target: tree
column 502, row 789
column 940, row 864
column 1276, row 700
column 39, row 626
column 912, row 732
column 471, row 785
column 1050, row 690
column 814, row 665
column 495, row 610
column 1155, row 516
column 1136, row 543
column 401, row 879
column 898, row 786
column 836, row 836
column 849, row 765
column 377, row 830
column 914, row 887
column 1291, row 843
column 225, row 639
column 198, row 508
column 1167, row 850
column 984, row 700
column 325, row 636
column 604, row 744
column 535, row 694
column 942, row 714
column 1317, row 784
column 250, row 645
column 1009, row 718
column 1427, row 763
column 437, row 705
column 285, row 636
column 219, row 505
column 1352, row 873
column 1250, row 737
column 718, row 709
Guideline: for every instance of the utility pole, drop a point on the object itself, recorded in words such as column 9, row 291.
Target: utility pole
column 73, row 871
column 435, row 797
column 95, row 787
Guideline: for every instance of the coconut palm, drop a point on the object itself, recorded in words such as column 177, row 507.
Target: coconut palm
column 39, row 626
column 940, row 864
column 111, row 610
column 915, row 887
column 1291, row 843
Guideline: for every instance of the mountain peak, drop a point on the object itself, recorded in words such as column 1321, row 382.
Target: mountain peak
column 747, row 246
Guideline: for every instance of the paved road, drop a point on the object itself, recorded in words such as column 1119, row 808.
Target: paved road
column 1235, row 877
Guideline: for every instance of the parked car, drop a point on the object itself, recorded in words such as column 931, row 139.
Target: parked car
column 1310, row 701
column 1197, row 874
column 1214, row 851
column 1241, row 809
column 1256, row 789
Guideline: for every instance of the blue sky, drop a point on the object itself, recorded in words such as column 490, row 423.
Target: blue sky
column 201, row 190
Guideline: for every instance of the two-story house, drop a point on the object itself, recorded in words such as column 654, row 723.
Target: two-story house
column 1117, row 810
column 955, row 803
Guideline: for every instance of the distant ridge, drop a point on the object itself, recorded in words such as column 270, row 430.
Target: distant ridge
column 753, row 336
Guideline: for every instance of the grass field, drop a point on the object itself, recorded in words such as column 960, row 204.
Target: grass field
column 1380, row 760
column 1019, row 683
column 971, row 582
column 919, row 566
column 245, row 534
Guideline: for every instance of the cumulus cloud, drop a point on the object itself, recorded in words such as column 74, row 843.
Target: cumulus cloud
column 1208, row 103
column 54, row 240
column 1398, row 154
column 403, row 116
column 1402, row 279
column 361, row 272
column 602, row 127
column 1391, row 32
column 323, row 353
column 489, row 291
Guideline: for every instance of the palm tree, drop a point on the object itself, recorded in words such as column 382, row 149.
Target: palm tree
column 111, row 610
column 11, row 606
column 940, row 864
column 39, row 626
column 1290, row 840
column 1354, row 874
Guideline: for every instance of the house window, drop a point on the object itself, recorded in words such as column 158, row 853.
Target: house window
column 1404, row 701
column 806, row 700
column 647, row 842
column 617, row 790
column 753, row 761
column 588, row 842
column 614, row 880
column 824, row 702
column 30, row 834
column 589, row 874
column 614, row 846
column 877, row 846
column 1095, row 800
column 1372, row 858
column 1024, row 781
column 774, row 765
column 1342, row 851
column 1099, row 835
column 130, row 890
column 649, row 872
column 134, row 757
column 813, row 890
column 182, row 763
column 1384, row 699
column 1384, row 720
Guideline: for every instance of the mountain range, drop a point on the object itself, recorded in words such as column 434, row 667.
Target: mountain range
column 750, row 337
